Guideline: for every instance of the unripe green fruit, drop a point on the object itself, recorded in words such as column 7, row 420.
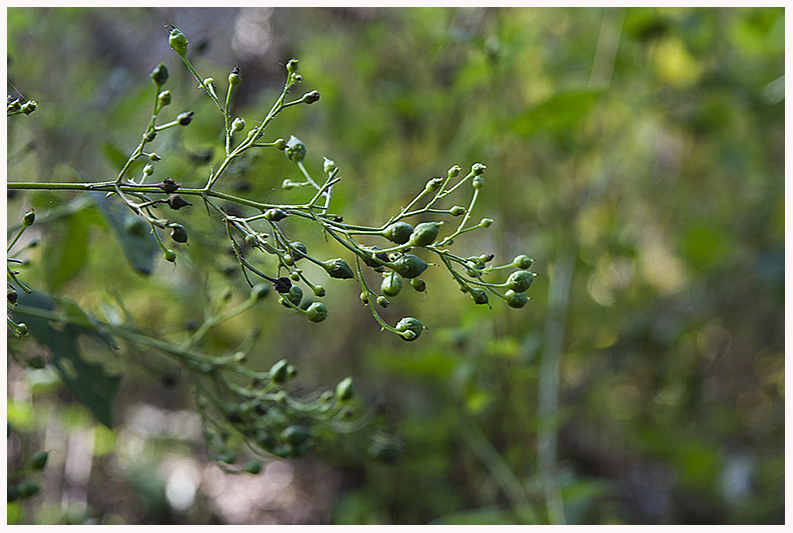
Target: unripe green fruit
column 479, row 296
column 278, row 372
column 454, row 171
column 238, row 124
column 178, row 233
column 478, row 182
column 274, row 215
column 418, row 284
column 295, row 295
column 391, row 284
column 159, row 75
column 344, row 390
column 424, row 234
column 298, row 250
column 516, row 299
column 410, row 266
column 39, row 461
column 29, row 218
column 398, row 232
column 338, row 268
column 457, row 210
column 251, row 240
column 520, row 281
column 178, row 42
column 410, row 327
column 319, row 291
column 317, row 312
column 164, row 98
column 523, row 261
column 370, row 261
column 295, row 149
column 383, row 302
column 169, row 255
column 486, row 222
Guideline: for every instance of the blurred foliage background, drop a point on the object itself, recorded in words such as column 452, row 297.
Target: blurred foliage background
column 636, row 153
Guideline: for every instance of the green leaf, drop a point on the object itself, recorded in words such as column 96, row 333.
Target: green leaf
column 560, row 112
column 65, row 253
column 139, row 247
column 94, row 388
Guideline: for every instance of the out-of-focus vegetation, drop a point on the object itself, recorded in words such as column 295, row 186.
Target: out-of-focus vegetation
column 636, row 154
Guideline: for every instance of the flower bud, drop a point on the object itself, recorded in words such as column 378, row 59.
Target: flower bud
column 478, row 169
column 238, row 124
column 168, row 185
column 154, row 156
column 177, row 41
column 457, row 210
column 520, row 281
column 148, row 170
column 319, row 291
column 310, row 97
column 164, row 98
column 434, row 184
column 291, row 66
column 288, row 184
column 391, row 284
column 234, row 76
column 398, row 232
column 209, row 82
column 29, row 218
column 338, row 268
column 184, row 118
column 317, row 312
column 294, row 295
column 424, row 234
column 329, row 165
column 454, row 171
column 344, row 390
column 297, row 250
column 176, row 202
column 383, row 302
column 486, row 222
column 410, row 328
column 478, row 182
column 159, row 75
column 516, row 299
column 295, row 149
column 274, row 215
column 169, row 255
column 29, row 107
column 280, row 144
column 410, row 266
column 479, row 295
column 418, row 284
column 178, row 233
column 523, row 261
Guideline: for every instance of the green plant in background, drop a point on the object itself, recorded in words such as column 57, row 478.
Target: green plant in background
column 234, row 401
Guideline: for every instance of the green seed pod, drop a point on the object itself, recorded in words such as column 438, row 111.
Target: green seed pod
column 169, row 255
column 338, row 268
column 295, row 149
column 159, row 75
column 398, row 232
column 295, row 295
column 523, row 261
column 383, row 302
column 317, row 312
column 164, row 98
column 457, row 210
column 344, row 390
column 234, row 76
column 298, row 250
column 520, row 281
column 371, row 262
column 410, row 266
column 296, row 435
column 148, row 170
column 478, row 169
column 410, row 328
column 310, row 97
column 274, row 215
column 294, row 276
column 291, row 66
column 454, row 171
column 29, row 218
column 391, row 284
column 329, row 165
column 280, row 144
column 319, row 291
column 486, row 222
column 418, row 284
column 479, row 295
column 278, row 371
column 253, row 466
column 177, row 41
column 178, row 233
column 238, row 124
column 478, row 182
column 251, row 240
column 185, row 118
column 39, row 461
column 516, row 299
column 424, row 234
column 434, row 184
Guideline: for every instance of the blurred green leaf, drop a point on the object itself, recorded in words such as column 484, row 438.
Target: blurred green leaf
column 560, row 112
column 89, row 382
column 139, row 246
column 67, row 251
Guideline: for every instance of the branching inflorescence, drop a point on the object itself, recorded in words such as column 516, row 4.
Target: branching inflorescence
column 262, row 411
